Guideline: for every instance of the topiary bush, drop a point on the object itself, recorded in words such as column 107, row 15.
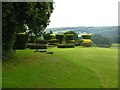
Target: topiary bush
column 33, row 46
column 68, row 37
column 53, row 42
column 70, row 41
column 65, row 46
column 60, row 37
column 77, row 44
column 40, row 41
column 86, row 42
column 21, row 40
column 89, row 44
column 47, row 36
column 31, row 39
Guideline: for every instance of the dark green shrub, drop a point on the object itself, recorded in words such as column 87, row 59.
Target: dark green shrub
column 21, row 40
column 101, row 41
column 77, row 44
column 53, row 36
column 87, row 44
column 75, row 35
column 86, row 36
column 47, row 36
column 70, row 41
column 31, row 39
column 59, row 37
column 39, row 47
column 68, row 37
column 40, row 41
column 53, row 41
column 65, row 46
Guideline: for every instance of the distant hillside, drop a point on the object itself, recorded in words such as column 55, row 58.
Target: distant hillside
column 107, row 31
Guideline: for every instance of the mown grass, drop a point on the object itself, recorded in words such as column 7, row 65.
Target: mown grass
column 66, row 68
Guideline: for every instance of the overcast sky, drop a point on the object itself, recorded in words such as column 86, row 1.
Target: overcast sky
column 70, row 13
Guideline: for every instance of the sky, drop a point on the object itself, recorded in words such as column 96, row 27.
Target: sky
column 74, row 13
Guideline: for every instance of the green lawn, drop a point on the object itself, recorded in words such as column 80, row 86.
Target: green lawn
column 66, row 68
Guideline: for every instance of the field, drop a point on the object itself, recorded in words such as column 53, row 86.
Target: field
column 66, row 68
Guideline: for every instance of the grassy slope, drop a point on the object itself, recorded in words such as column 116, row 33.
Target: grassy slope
column 77, row 67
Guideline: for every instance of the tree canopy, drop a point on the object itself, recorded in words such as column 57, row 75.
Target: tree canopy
column 15, row 15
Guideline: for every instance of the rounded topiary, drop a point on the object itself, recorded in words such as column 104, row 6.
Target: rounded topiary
column 69, row 37
column 53, row 41
column 31, row 39
column 60, row 37
column 70, row 41
column 86, row 36
column 41, row 41
column 33, row 46
column 86, row 42
column 47, row 36
column 65, row 46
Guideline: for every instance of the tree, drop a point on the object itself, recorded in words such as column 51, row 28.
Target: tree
column 17, row 14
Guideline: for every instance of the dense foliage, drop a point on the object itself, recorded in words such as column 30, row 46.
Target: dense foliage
column 15, row 15
column 75, row 35
column 21, row 40
column 68, row 37
column 101, row 41
column 60, row 37
column 65, row 46
column 47, row 36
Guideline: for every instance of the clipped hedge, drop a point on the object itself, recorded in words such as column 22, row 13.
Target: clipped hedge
column 47, row 36
column 69, row 37
column 60, row 37
column 53, row 41
column 21, row 40
column 70, row 41
column 31, row 39
column 41, row 41
column 86, row 36
column 87, row 44
column 77, row 44
column 65, row 46
column 39, row 47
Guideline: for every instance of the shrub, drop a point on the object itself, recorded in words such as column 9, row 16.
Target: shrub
column 39, row 47
column 86, row 42
column 53, row 41
column 75, row 35
column 53, row 36
column 101, row 41
column 41, row 41
column 68, row 37
column 47, row 36
column 65, row 46
column 70, row 41
column 21, row 40
column 86, row 36
column 77, row 44
column 31, row 39
column 59, row 37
